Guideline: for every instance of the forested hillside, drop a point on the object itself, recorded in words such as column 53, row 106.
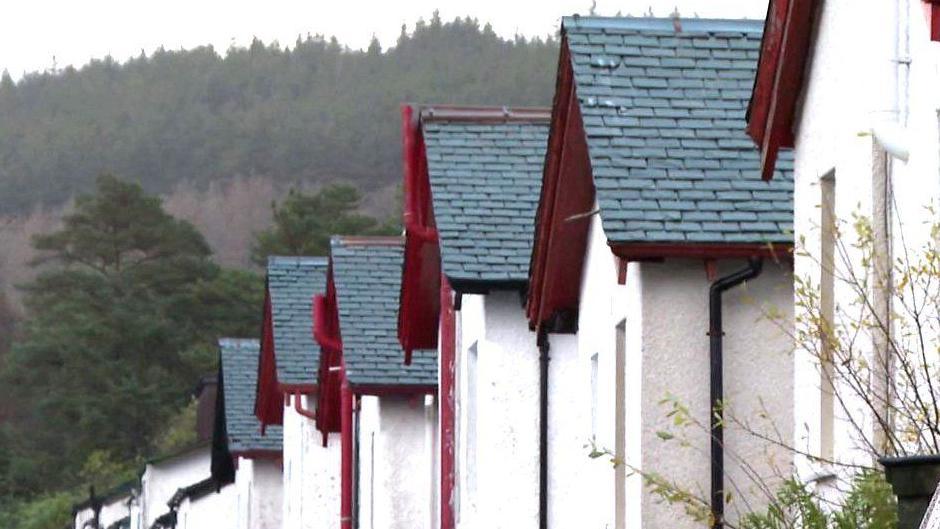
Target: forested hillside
column 308, row 112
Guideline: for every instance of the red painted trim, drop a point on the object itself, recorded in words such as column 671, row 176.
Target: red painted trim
column 330, row 372
column 269, row 400
column 934, row 20
column 448, row 353
column 780, row 76
column 635, row 252
column 271, row 455
column 419, row 308
column 346, row 466
column 567, row 193
column 759, row 106
column 306, row 389
column 301, row 411
column 393, row 389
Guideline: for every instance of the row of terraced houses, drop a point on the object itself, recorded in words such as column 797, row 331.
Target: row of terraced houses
column 583, row 295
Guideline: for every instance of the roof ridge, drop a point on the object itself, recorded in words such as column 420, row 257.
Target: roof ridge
column 717, row 25
column 367, row 240
column 488, row 114
column 314, row 259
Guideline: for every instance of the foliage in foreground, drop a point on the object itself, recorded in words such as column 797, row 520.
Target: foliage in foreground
column 869, row 504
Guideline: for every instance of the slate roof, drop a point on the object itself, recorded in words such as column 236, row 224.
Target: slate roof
column 238, row 382
column 664, row 117
column 367, row 275
column 292, row 283
column 485, row 179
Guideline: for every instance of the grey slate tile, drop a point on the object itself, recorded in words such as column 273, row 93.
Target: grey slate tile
column 489, row 210
column 678, row 125
column 292, row 283
column 238, row 382
column 367, row 277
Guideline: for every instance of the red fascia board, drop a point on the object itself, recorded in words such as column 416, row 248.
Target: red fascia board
column 780, row 78
column 567, row 191
column 273, row 455
column 774, row 26
column 383, row 390
column 269, row 400
column 330, row 372
column 305, row 389
column 419, row 309
column 448, row 375
column 934, row 7
column 646, row 251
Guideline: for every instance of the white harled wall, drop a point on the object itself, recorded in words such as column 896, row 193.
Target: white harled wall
column 162, row 479
column 111, row 512
column 498, row 391
column 665, row 307
column 395, row 462
column 215, row 510
column 259, row 488
column 311, row 479
column 859, row 77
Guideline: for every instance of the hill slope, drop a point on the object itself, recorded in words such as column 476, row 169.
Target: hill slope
column 304, row 114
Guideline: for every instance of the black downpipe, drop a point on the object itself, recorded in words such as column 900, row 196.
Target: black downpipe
column 715, row 333
column 544, row 358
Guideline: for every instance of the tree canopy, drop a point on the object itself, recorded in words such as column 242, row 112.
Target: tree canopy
column 312, row 112
column 121, row 321
column 304, row 223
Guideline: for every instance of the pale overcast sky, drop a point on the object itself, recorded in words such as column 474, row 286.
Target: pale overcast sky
column 32, row 32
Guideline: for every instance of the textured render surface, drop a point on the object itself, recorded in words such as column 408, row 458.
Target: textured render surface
column 239, row 383
column 485, row 180
column 310, row 471
column 217, row 509
column 259, row 489
column 758, row 374
column 292, row 283
column 604, row 304
column 395, row 460
column 502, row 471
column 161, row 480
column 368, row 283
column 861, row 53
column 664, row 118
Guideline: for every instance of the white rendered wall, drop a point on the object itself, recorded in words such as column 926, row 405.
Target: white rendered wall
column 395, row 462
column 161, row 480
column 604, row 304
column 497, row 483
column 758, row 374
column 216, row 510
column 259, row 489
column 310, row 471
column 111, row 512
column 857, row 78
column 665, row 307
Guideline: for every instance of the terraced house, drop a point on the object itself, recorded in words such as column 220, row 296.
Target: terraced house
column 241, row 455
column 287, row 390
column 658, row 253
column 868, row 156
column 384, row 410
column 471, row 186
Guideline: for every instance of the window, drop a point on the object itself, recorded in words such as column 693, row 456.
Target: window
column 472, row 404
column 620, row 427
column 827, row 226
column 594, row 402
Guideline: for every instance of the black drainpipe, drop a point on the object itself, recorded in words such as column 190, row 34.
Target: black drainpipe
column 544, row 349
column 715, row 333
